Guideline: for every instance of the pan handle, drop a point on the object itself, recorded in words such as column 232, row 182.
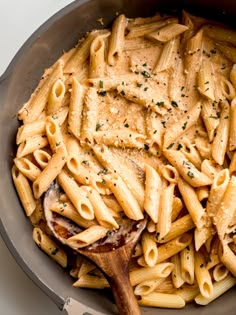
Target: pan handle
column 73, row 307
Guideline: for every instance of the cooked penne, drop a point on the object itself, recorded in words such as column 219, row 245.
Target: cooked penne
column 30, row 145
column 149, row 249
column 27, row 168
column 220, row 33
column 173, row 247
column 202, row 275
column 49, row 173
column 97, row 63
column 206, row 84
column 41, row 157
column 167, row 32
column 178, row 227
column 87, row 237
column 152, row 193
column 89, row 116
column 210, row 168
column 164, row 217
column 124, row 196
column 160, row 270
column 210, row 117
column 50, row 247
column 219, row 288
column 140, row 97
column 54, row 134
column 101, row 212
column 217, row 191
column 81, row 53
column 148, row 286
column 56, row 96
column 176, row 273
column 192, row 203
column 187, row 264
column 75, row 108
column 226, row 209
column 143, row 29
column 36, row 128
column 220, row 272
column 116, row 39
column 92, row 282
column 191, row 153
column 154, row 128
column 165, row 60
column 233, row 74
column 37, row 102
column 120, row 138
column 162, row 300
column 176, row 130
column 24, row 191
column 185, row 168
column 220, row 141
column 228, row 258
column 76, row 195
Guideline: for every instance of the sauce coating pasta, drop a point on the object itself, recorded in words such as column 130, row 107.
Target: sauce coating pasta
column 139, row 120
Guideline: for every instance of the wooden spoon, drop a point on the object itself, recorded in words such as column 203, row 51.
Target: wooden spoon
column 112, row 254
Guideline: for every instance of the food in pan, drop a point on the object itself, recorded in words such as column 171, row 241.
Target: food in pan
column 137, row 120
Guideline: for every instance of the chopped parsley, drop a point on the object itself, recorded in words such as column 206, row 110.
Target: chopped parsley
column 101, row 84
column 103, row 181
column 184, row 125
column 160, row 103
column 103, row 93
column 171, row 145
column 145, row 65
column 126, row 125
column 55, row 251
column 146, row 74
column 174, row 104
column 98, row 126
column 190, row 174
column 139, row 84
column 146, row 147
column 145, row 89
column 180, row 146
column 213, row 117
column 122, row 93
column 85, row 162
column 103, row 171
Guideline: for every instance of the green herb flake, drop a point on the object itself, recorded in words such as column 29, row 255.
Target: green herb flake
column 98, row 126
column 139, row 84
column 146, row 74
column 180, row 146
column 154, row 132
column 85, row 162
column 101, row 84
column 208, row 260
column 103, row 171
column 55, row 251
column 126, row 125
column 182, row 88
column 58, row 143
column 190, row 174
column 122, row 93
column 103, row 93
column 145, row 65
column 174, row 104
column 160, row 103
column 103, row 181
column 146, row 147
column 213, row 117
column 171, row 145
column 145, row 89
column 201, row 266
column 163, row 124
column 184, row 125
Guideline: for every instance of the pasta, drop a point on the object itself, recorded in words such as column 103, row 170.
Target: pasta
column 138, row 121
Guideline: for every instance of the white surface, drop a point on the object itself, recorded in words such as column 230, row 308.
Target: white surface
column 18, row 20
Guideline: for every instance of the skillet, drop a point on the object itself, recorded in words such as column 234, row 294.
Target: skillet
column 59, row 33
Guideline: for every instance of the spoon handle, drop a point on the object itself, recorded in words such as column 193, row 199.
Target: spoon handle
column 123, row 293
column 115, row 264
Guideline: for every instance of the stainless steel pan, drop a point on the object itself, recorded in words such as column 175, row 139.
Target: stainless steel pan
column 60, row 33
